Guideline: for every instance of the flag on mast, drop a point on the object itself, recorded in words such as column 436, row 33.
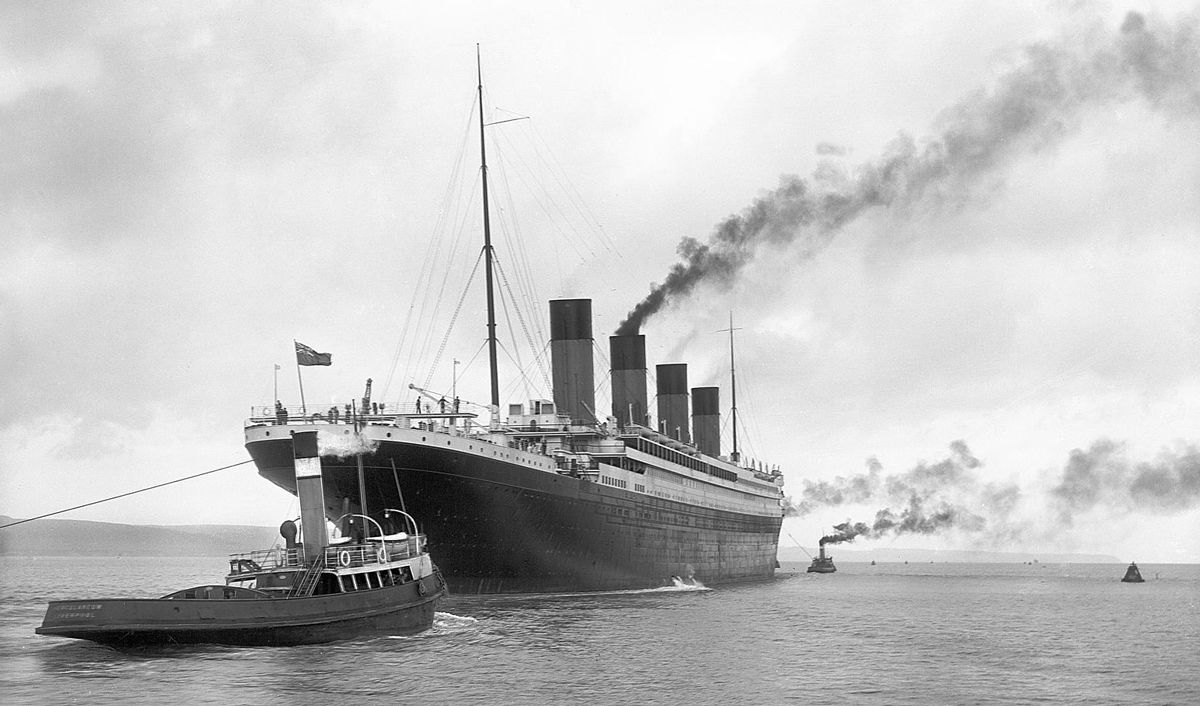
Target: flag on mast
column 308, row 356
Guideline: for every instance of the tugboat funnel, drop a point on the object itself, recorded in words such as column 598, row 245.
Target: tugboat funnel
column 310, row 492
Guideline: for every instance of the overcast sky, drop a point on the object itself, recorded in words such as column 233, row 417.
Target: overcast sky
column 188, row 187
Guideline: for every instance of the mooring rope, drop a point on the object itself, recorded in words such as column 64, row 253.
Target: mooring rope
column 122, row 495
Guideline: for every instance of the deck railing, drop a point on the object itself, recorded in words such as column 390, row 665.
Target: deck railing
column 298, row 414
column 266, row 559
column 347, row 556
column 374, row 551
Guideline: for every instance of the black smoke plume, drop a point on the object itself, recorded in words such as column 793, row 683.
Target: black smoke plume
column 845, row 532
column 922, row 482
column 1102, row 476
column 926, row 499
column 913, row 519
column 948, row 495
column 1030, row 108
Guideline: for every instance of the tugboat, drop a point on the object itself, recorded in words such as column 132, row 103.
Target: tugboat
column 822, row 564
column 1132, row 575
column 312, row 591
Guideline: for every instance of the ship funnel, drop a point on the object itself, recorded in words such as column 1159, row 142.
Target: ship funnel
column 628, row 355
column 310, row 492
column 571, row 359
column 706, row 419
column 673, row 401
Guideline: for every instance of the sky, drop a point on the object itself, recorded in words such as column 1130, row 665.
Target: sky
column 959, row 242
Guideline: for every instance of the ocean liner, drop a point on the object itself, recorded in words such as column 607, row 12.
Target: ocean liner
column 550, row 497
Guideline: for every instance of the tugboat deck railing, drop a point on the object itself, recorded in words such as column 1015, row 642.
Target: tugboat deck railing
column 373, row 552
column 266, row 560
column 342, row 556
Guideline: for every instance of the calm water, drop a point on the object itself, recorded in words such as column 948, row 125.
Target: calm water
column 887, row 634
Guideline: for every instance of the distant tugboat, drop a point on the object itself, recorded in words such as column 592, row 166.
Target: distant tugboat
column 822, row 564
column 1132, row 575
column 311, row 592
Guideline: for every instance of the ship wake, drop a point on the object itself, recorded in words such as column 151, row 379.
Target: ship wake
column 443, row 624
column 678, row 585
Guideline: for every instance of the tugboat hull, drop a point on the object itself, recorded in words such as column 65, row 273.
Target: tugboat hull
column 392, row 610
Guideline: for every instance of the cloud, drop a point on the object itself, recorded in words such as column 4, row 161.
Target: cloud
column 157, row 162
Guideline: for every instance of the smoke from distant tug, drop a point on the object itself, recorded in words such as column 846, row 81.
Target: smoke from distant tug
column 1031, row 107
column 1101, row 476
column 947, row 495
column 926, row 499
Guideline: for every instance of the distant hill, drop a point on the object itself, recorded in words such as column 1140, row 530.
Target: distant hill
column 85, row 538
column 794, row 553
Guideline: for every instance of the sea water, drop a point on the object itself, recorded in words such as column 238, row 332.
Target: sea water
column 884, row 634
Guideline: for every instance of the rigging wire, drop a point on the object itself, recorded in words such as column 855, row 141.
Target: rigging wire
column 446, row 214
column 569, row 188
column 552, row 209
column 605, row 380
column 524, row 328
column 439, row 296
column 453, row 319
column 124, row 495
column 513, row 355
column 515, row 241
column 522, row 376
column 748, row 438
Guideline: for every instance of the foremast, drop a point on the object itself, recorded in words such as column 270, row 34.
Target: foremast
column 487, row 254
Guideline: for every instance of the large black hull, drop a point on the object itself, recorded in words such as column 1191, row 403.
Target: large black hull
column 500, row 525
column 394, row 610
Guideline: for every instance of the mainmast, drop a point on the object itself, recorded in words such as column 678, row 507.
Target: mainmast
column 487, row 253
column 733, row 456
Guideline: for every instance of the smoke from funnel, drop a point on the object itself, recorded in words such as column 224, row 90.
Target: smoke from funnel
column 1030, row 108
column 846, row 532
